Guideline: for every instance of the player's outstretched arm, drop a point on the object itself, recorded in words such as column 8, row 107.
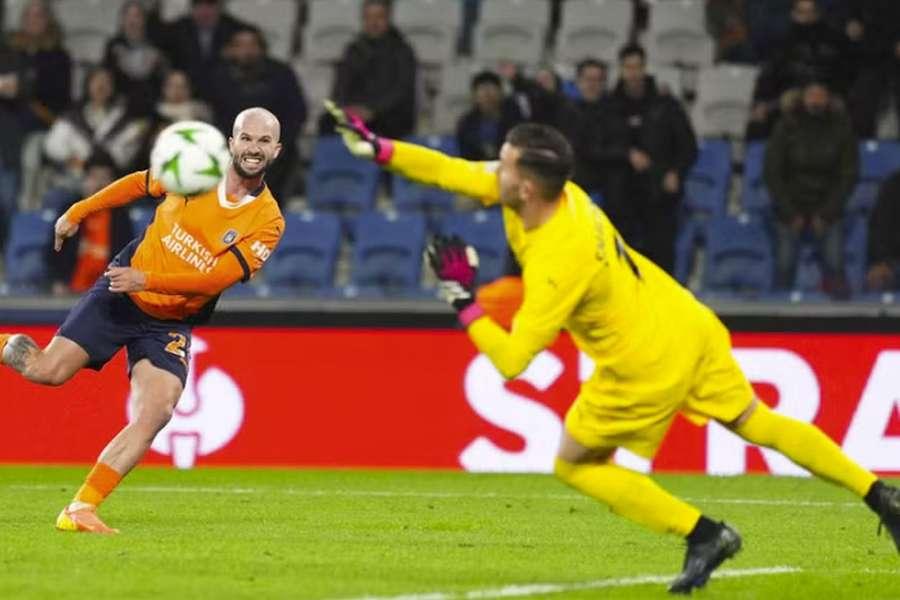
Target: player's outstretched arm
column 119, row 193
column 473, row 179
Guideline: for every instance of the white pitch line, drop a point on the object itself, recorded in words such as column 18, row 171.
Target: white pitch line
column 314, row 493
column 533, row 589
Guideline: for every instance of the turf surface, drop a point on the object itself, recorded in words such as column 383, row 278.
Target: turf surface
column 216, row 533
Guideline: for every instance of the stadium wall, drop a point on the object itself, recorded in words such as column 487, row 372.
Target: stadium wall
column 401, row 397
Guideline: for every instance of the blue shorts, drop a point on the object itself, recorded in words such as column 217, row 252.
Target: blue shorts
column 103, row 322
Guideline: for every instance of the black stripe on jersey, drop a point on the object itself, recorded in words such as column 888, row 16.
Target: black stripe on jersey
column 244, row 265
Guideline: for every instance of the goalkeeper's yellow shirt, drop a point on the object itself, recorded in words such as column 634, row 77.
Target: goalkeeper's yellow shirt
column 622, row 310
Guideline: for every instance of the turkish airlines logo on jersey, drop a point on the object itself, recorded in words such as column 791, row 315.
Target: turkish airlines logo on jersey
column 208, row 416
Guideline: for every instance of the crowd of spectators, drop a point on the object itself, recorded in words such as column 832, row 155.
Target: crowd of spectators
column 829, row 75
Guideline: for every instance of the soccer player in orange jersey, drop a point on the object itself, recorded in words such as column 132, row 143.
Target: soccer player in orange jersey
column 154, row 291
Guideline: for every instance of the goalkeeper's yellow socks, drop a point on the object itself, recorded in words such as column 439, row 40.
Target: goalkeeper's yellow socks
column 4, row 337
column 100, row 483
column 807, row 446
column 631, row 495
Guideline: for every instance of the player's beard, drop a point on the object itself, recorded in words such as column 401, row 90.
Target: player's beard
column 243, row 173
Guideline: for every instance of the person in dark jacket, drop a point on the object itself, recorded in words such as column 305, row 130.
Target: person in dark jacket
column 650, row 146
column 884, row 243
column 811, row 166
column 589, row 145
column 250, row 78
column 47, row 67
column 195, row 42
column 137, row 64
column 812, row 49
column 874, row 102
column 481, row 131
column 376, row 77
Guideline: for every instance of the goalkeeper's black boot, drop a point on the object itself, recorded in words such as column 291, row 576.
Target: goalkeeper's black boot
column 885, row 501
column 702, row 558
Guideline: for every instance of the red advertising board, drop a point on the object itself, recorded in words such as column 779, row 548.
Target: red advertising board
column 425, row 398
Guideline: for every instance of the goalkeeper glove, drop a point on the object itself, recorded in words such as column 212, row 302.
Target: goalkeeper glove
column 361, row 142
column 455, row 264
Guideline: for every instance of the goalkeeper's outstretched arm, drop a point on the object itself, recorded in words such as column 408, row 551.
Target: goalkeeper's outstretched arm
column 473, row 179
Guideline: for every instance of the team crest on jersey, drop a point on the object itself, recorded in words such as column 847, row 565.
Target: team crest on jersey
column 229, row 237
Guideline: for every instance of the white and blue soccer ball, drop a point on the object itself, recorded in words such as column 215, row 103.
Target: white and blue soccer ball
column 189, row 158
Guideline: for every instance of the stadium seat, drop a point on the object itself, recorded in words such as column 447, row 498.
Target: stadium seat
column 431, row 27
column 755, row 197
column 669, row 77
column 12, row 14
column 331, row 25
column 307, row 255
column 482, row 229
column 706, row 185
column 739, row 256
column 511, row 30
column 878, row 160
column 724, row 95
column 856, row 245
column 28, row 241
column 100, row 16
column 432, row 201
column 339, row 181
column 454, row 96
column 677, row 33
column 172, row 10
column 86, row 46
column 276, row 19
column 316, row 79
column 388, row 251
column 141, row 217
column 593, row 28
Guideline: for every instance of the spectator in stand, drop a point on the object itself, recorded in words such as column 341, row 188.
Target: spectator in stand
column 550, row 105
column 812, row 50
column 247, row 78
column 875, row 24
column 884, row 243
column 101, row 121
column 481, row 131
column 811, row 166
column 727, row 24
column 76, row 267
column 651, row 146
column 195, row 42
column 135, row 62
column 768, row 23
column 47, row 65
column 376, row 76
column 35, row 85
column 178, row 103
column 591, row 148
column 875, row 98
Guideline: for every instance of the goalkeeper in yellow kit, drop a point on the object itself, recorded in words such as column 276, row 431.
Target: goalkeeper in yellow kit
column 658, row 351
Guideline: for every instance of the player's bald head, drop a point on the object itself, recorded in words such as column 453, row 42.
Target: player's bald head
column 258, row 119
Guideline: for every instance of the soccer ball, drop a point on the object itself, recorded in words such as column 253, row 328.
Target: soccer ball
column 189, row 157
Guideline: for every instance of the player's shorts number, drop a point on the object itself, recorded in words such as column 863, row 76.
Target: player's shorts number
column 177, row 345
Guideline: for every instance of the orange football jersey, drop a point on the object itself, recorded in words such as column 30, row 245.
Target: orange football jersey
column 196, row 246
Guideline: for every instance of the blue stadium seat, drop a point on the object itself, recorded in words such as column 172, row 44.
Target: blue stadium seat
column 706, row 185
column 755, row 197
column 691, row 235
column 856, row 240
column 58, row 199
column 878, row 160
column 483, row 229
column 388, row 252
column 739, row 256
column 29, row 239
column 307, row 254
column 141, row 217
column 430, row 200
column 339, row 181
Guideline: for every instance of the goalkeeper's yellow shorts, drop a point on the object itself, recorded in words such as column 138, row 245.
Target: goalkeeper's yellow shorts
column 700, row 378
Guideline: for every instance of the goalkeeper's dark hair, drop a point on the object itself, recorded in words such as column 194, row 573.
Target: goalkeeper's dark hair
column 546, row 156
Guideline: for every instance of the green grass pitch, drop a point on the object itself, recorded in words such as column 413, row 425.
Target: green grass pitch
column 240, row 533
